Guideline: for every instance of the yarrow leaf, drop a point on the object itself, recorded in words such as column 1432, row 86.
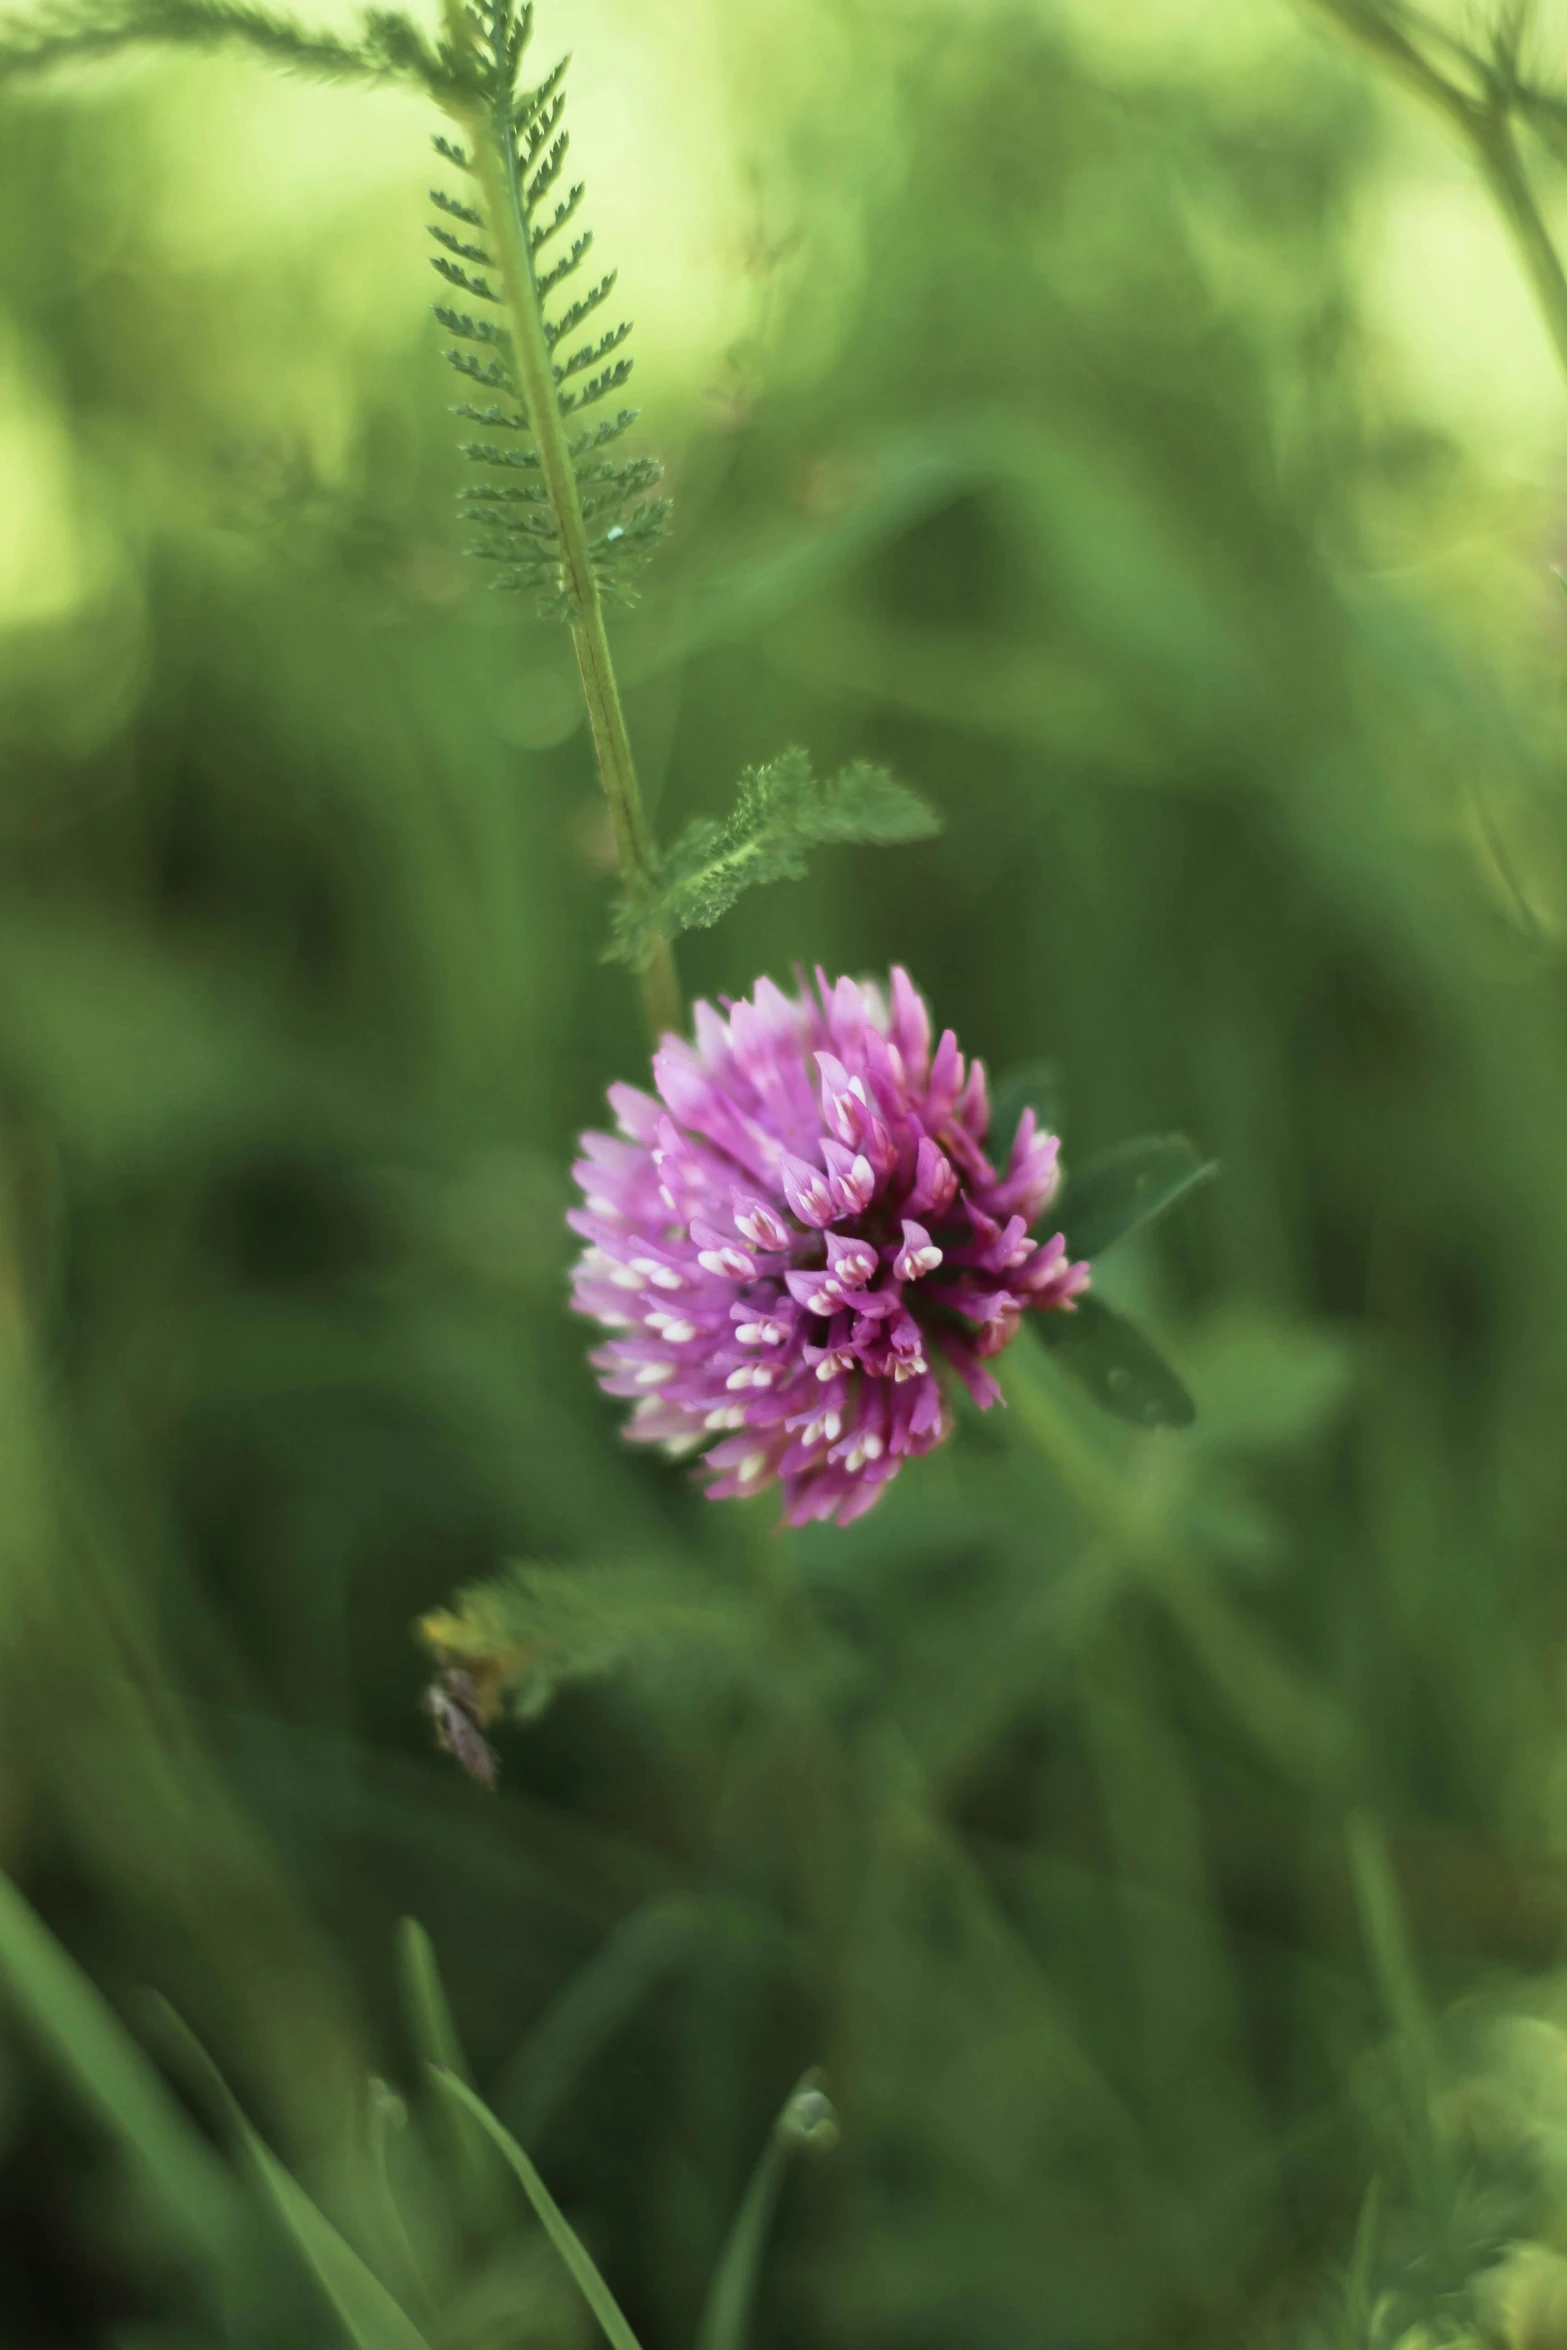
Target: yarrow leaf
column 782, row 809
column 389, row 46
column 533, row 1628
column 618, row 523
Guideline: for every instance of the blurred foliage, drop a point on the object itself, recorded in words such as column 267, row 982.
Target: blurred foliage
column 1043, row 443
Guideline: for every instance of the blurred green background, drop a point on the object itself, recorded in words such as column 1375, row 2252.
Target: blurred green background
column 1129, row 423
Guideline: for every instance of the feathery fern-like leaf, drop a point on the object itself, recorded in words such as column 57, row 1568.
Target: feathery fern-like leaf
column 532, row 1629
column 623, row 520
column 781, row 810
column 388, row 47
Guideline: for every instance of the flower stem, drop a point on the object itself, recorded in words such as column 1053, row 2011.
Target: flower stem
column 488, row 124
column 1491, row 136
column 1483, row 118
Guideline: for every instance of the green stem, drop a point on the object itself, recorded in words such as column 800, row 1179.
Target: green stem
column 1491, row 136
column 1398, row 1979
column 489, row 128
column 806, row 2119
column 1483, row 119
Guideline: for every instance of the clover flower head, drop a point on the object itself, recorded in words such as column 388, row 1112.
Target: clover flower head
column 801, row 1238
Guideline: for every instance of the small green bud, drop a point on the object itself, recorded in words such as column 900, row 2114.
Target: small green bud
column 809, row 2120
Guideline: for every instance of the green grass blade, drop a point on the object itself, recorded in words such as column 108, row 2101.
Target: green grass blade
column 387, row 2119
column 557, row 2227
column 1360, row 2283
column 371, row 2318
column 596, row 2001
column 1398, row 1980
column 806, row 2120
column 434, row 2036
column 92, row 2048
column 424, row 1996
column 1387, row 1941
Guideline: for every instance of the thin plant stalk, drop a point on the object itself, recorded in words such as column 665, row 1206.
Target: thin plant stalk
column 1484, row 121
column 1491, row 136
column 807, row 2122
column 494, row 151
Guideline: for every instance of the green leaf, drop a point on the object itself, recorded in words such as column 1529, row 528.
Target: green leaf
column 1359, row 2299
column 424, row 2000
column 1129, row 1186
column 781, row 810
column 807, row 2121
column 556, row 2226
column 1036, row 1087
column 434, row 2035
column 1118, row 1365
column 372, row 2319
column 92, row 2048
column 531, row 1629
column 391, row 46
column 594, row 2004
column 539, row 546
